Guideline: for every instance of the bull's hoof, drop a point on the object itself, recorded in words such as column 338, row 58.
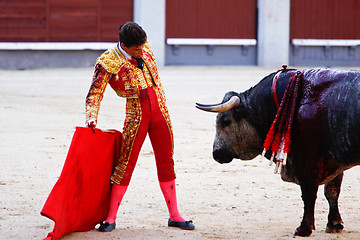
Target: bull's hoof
column 303, row 231
column 331, row 228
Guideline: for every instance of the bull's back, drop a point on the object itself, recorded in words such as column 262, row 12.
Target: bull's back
column 331, row 107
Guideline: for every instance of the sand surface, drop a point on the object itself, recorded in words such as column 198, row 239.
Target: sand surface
column 240, row 200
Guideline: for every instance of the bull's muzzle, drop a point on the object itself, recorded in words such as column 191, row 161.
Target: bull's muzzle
column 222, row 156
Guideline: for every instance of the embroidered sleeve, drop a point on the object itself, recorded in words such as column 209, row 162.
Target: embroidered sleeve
column 96, row 92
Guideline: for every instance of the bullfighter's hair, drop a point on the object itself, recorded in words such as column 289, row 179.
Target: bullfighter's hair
column 132, row 34
column 278, row 138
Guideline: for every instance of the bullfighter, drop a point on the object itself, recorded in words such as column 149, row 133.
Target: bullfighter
column 131, row 71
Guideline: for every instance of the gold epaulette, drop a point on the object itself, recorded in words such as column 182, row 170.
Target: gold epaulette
column 110, row 61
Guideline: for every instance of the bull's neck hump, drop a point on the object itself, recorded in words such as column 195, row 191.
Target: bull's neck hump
column 262, row 107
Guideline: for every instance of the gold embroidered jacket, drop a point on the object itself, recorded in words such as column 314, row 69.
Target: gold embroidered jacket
column 123, row 76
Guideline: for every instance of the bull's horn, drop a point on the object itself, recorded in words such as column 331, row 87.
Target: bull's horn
column 207, row 105
column 233, row 102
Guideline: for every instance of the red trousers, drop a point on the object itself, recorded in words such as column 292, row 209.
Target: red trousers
column 160, row 134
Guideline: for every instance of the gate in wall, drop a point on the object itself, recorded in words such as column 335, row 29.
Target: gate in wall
column 325, row 32
column 63, row 21
column 216, row 32
column 58, row 33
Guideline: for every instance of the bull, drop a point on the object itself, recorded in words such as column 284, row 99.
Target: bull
column 325, row 134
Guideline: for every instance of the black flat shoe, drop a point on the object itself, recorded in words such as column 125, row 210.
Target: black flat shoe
column 187, row 225
column 107, row 227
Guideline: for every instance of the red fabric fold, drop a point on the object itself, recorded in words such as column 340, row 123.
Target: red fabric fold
column 80, row 198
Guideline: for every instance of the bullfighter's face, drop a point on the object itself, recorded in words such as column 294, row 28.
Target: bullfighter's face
column 134, row 51
column 235, row 137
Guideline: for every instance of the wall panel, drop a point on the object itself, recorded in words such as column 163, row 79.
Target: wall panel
column 63, row 21
column 325, row 19
column 22, row 20
column 211, row 19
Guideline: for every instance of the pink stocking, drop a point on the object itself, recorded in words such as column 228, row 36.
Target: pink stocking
column 169, row 192
column 117, row 194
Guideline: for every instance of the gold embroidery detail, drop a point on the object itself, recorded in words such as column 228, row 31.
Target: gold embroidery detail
column 110, row 61
column 96, row 92
column 131, row 127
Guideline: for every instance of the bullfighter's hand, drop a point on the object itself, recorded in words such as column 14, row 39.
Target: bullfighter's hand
column 91, row 123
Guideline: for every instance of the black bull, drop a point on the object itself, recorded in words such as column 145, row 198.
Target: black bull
column 325, row 134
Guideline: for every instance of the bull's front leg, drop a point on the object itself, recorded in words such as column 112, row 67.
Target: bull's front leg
column 332, row 192
column 308, row 195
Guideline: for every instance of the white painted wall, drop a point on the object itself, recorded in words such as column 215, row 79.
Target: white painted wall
column 150, row 15
column 273, row 32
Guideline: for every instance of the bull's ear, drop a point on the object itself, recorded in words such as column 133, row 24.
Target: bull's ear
column 240, row 111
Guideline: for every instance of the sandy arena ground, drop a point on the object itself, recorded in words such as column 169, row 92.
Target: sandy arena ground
column 239, row 200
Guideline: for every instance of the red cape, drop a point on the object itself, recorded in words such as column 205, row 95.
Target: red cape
column 80, row 198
